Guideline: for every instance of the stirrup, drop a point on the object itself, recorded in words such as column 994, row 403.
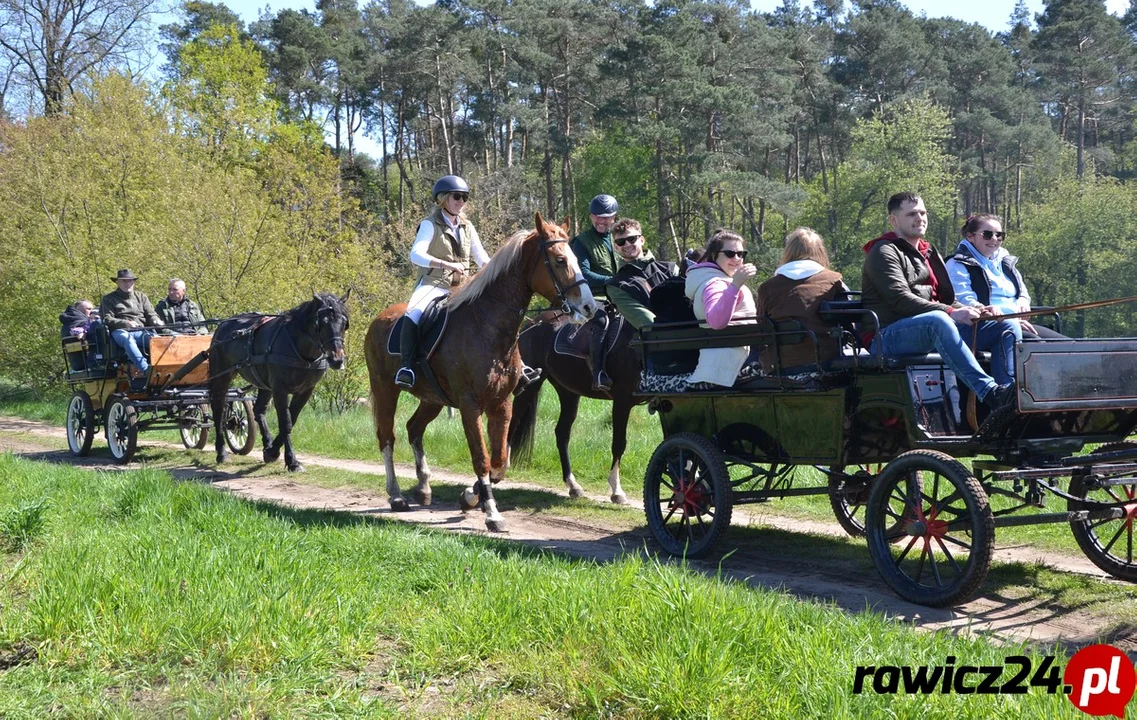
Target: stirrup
column 528, row 375
column 405, row 378
column 602, row 382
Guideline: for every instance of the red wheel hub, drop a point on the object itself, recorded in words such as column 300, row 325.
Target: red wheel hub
column 691, row 496
column 926, row 525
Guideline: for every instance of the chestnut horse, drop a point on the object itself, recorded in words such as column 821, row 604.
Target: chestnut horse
column 476, row 361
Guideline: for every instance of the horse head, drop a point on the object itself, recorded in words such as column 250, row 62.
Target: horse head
column 327, row 324
column 556, row 276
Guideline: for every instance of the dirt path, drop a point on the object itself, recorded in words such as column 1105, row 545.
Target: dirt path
column 806, row 575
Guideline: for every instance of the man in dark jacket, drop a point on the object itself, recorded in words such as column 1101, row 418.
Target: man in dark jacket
column 126, row 312
column 76, row 319
column 178, row 310
column 905, row 283
column 639, row 273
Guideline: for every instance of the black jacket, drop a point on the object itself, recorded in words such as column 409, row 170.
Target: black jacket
column 71, row 318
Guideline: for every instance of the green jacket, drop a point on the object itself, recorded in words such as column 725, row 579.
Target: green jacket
column 597, row 260
column 166, row 310
column 118, row 307
column 630, row 288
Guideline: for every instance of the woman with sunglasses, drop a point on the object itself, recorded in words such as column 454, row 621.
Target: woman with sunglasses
column 716, row 285
column 986, row 276
column 445, row 243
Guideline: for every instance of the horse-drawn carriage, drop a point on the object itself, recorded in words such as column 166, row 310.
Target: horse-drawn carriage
column 175, row 396
column 884, row 435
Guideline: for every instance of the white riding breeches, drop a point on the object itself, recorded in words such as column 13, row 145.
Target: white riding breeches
column 421, row 297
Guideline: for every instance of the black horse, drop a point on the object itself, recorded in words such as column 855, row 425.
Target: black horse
column 572, row 379
column 281, row 355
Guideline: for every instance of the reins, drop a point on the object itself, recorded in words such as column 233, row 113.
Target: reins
column 1049, row 311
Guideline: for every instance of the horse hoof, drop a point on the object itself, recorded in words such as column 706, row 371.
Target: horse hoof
column 495, row 525
column 399, row 504
column 576, row 491
column 271, row 455
column 297, row 468
column 468, row 499
column 222, row 459
column 422, row 498
column 620, row 499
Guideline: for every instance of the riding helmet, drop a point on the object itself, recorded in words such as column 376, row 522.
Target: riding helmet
column 603, row 206
column 450, row 183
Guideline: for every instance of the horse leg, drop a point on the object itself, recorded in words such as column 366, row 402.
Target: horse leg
column 299, row 400
column 472, row 424
column 260, row 408
column 570, row 404
column 384, row 402
column 621, row 410
column 499, row 418
column 416, row 426
column 218, row 389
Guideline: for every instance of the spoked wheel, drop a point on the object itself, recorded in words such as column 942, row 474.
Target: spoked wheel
column 80, row 423
column 194, row 432
column 1108, row 543
column 122, row 430
column 930, row 528
column 240, row 433
column 849, row 494
column 687, row 495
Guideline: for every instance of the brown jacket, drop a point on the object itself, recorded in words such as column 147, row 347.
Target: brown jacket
column 896, row 284
column 783, row 298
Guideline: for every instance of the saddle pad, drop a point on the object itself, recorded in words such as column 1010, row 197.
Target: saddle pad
column 576, row 340
column 431, row 326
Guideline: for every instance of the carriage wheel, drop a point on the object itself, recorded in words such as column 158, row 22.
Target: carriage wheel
column 122, row 430
column 193, row 428
column 930, row 528
column 240, row 433
column 687, row 495
column 80, row 423
column 1109, row 544
column 849, row 494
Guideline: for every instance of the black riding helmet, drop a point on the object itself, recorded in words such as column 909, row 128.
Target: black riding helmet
column 603, row 206
column 449, row 183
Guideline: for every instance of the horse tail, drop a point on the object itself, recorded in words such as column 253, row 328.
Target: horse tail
column 523, row 424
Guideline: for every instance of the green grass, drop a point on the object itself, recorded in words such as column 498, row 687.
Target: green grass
column 135, row 595
column 352, row 436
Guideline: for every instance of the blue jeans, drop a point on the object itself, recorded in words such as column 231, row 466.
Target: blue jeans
column 936, row 331
column 132, row 341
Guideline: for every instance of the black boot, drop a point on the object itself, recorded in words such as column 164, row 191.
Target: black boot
column 408, row 347
column 598, row 347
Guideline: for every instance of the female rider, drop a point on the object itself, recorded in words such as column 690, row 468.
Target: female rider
column 986, row 276
column 445, row 243
column 717, row 288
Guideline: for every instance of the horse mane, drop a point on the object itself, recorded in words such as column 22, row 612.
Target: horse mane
column 501, row 262
column 302, row 312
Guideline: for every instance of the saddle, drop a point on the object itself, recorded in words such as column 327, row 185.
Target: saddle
column 431, row 327
column 576, row 340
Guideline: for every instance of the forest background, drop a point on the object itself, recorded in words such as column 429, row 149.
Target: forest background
column 235, row 166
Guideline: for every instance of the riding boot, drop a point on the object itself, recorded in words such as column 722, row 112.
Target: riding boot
column 598, row 349
column 408, row 347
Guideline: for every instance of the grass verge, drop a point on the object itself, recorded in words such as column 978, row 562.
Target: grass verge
column 138, row 595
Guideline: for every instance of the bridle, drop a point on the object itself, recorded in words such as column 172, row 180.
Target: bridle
column 562, row 290
column 337, row 343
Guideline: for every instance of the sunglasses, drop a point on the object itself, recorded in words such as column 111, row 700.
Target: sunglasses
column 460, row 196
column 740, row 254
column 627, row 239
column 988, row 234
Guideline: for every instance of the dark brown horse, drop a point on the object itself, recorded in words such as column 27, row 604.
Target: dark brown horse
column 476, row 361
column 572, row 379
